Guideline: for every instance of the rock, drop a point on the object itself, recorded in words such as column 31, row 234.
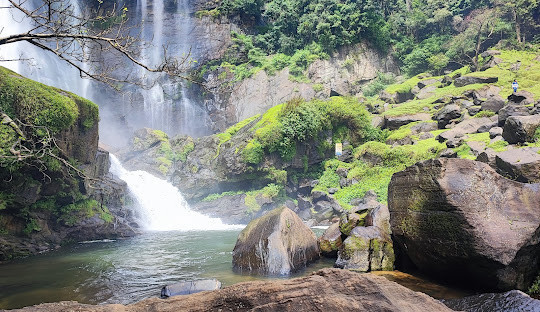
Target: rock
column 351, row 220
column 425, row 136
column 318, row 196
column 493, row 104
column 304, row 187
column 325, row 290
column 231, row 209
column 366, row 249
column 332, row 190
column 488, row 157
column 277, row 243
column 488, row 53
column 520, row 129
column 454, row 142
column 330, row 241
column 426, row 82
column 426, row 92
column 467, row 80
column 467, row 126
column 446, row 114
column 188, row 288
column 521, row 97
column 342, row 172
column 459, row 220
column 473, row 110
column 495, row 132
column 448, row 153
column 380, row 218
column 446, row 81
column 511, row 110
column 521, row 164
column 492, row 62
column 423, row 127
column 395, row 122
column 396, row 98
column 510, row 301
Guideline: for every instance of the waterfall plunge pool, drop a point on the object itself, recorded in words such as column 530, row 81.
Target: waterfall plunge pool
column 123, row 271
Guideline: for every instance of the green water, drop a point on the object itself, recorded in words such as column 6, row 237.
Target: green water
column 123, row 271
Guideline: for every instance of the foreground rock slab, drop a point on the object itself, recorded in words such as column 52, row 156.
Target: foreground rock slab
column 510, row 301
column 324, row 290
column 459, row 219
column 278, row 243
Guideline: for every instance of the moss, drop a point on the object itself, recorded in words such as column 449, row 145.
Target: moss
column 317, row 87
column 464, row 151
column 187, row 148
column 227, row 134
column 403, row 87
column 478, row 137
column 486, row 113
column 499, row 146
column 253, row 153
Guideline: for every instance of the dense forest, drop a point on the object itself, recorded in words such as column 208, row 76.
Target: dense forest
column 424, row 35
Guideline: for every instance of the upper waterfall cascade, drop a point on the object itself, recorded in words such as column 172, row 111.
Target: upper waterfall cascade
column 161, row 206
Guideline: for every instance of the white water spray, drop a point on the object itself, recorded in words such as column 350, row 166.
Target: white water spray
column 162, row 206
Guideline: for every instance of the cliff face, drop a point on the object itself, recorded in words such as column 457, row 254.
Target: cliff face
column 344, row 73
column 55, row 187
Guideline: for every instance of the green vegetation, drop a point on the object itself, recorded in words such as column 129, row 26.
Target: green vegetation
column 284, row 126
column 486, row 113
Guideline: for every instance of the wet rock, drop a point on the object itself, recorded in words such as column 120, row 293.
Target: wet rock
column 190, row 287
column 459, row 220
column 349, row 221
column 325, row 290
column 467, row 80
column 521, row 164
column 395, row 122
column 330, row 241
column 510, row 301
column 520, row 129
column 277, row 243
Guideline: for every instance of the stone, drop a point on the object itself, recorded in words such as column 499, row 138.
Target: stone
column 488, row 156
column 511, row 110
column 423, row 127
column 448, row 153
column 277, row 243
column 426, row 82
column 318, row 196
column 485, row 93
column 395, row 122
column 396, row 98
column 471, row 125
column 342, row 172
column 330, row 241
column 351, row 220
column 510, row 301
column 454, row 142
column 521, row 97
column 190, row 287
column 520, row 129
column 493, row 104
column 332, row 190
column 473, row 110
column 446, row 114
column 467, row 80
column 492, row 62
column 459, row 220
column 495, row 132
column 325, row 290
column 304, row 187
column 488, row 53
column 425, row 136
column 366, row 249
column 426, row 92
column 521, row 164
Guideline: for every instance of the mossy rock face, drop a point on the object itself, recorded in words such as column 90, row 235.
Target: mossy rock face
column 366, row 249
column 278, row 243
column 447, row 212
column 351, row 220
column 330, row 241
column 72, row 120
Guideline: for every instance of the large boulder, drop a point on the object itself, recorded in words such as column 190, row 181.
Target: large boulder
column 511, row 110
column 467, row 80
column 446, row 114
column 472, row 125
column 325, row 290
column 277, row 243
column 458, row 219
column 520, row 164
column 366, row 249
column 330, row 241
column 510, row 301
column 520, row 129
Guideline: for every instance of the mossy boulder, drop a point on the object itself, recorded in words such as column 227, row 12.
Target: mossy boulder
column 366, row 249
column 331, row 241
column 459, row 220
column 278, row 243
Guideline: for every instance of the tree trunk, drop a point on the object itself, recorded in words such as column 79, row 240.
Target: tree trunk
column 518, row 28
column 408, row 4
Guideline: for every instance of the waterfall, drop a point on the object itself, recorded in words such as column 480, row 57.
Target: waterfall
column 162, row 207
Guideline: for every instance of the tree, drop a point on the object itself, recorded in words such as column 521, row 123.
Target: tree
column 97, row 43
column 522, row 14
